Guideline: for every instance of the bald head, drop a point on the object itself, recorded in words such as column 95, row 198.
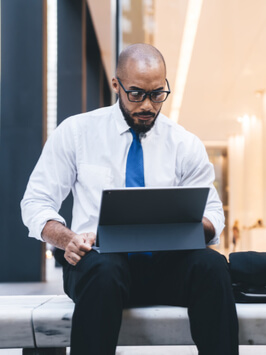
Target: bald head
column 144, row 55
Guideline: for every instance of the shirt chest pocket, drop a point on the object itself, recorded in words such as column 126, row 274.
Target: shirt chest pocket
column 94, row 177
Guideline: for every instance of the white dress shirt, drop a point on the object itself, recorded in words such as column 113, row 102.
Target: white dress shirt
column 88, row 152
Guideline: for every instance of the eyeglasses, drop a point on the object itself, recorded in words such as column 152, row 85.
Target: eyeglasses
column 140, row 95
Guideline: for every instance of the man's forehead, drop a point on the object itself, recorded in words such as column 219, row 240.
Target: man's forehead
column 144, row 68
column 144, row 63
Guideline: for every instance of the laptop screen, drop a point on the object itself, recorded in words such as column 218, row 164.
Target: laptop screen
column 151, row 219
column 153, row 205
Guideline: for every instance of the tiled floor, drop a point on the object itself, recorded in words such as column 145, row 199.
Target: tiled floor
column 54, row 286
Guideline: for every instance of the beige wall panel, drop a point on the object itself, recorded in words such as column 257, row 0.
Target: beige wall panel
column 103, row 18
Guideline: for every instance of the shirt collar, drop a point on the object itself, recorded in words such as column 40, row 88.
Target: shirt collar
column 121, row 124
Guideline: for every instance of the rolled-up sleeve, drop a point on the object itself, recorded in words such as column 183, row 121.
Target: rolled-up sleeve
column 50, row 181
column 198, row 171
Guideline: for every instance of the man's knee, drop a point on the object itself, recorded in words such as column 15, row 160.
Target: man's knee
column 111, row 269
column 209, row 258
column 209, row 264
column 97, row 273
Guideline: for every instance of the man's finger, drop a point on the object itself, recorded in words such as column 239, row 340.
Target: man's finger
column 90, row 237
column 81, row 243
column 72, row 258
column 78, row 247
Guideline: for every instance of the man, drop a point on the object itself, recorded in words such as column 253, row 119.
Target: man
column 87, row 153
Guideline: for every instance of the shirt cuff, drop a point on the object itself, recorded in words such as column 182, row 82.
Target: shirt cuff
column 218, row 226
column 40, row 222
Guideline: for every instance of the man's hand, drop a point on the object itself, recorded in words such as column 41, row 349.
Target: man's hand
column 209, row 230
column 78, row 246
column 75, row 245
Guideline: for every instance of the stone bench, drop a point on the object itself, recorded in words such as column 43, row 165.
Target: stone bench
column 44, row 323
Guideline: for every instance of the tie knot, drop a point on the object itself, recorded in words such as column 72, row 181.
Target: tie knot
column 134, row 134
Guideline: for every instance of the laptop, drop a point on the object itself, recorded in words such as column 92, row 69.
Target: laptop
column 151, row 219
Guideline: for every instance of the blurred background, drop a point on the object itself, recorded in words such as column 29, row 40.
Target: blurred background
column 58, row 58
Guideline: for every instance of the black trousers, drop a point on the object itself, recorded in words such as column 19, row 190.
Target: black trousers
column 101, row 285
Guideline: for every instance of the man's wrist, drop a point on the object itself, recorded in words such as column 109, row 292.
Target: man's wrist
column 57, row 234
column 209, row 230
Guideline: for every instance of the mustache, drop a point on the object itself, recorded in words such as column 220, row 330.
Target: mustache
column 144, row 113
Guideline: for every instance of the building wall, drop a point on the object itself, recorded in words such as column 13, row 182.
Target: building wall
column 82, row 86
column 21, row 132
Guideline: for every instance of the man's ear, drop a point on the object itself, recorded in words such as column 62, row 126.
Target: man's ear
column 115, row 85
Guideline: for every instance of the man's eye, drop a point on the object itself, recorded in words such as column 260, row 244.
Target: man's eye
column 136, row 94
column 157, row 94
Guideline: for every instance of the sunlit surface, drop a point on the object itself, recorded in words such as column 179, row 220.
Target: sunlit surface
column 188, row 39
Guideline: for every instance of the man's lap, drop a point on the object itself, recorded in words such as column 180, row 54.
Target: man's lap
column 163, row 278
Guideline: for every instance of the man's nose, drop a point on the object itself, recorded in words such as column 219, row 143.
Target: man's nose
column 146, row 105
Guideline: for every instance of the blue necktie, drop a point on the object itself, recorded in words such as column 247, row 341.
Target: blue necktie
column 134, row 169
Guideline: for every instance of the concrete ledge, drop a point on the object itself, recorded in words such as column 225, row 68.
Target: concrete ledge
column 16, row 320
column 45, row 322
column 252, row 323
column 52, row 322
column 157, row 325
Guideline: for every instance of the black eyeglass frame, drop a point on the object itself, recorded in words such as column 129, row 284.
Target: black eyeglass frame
column 146, row 93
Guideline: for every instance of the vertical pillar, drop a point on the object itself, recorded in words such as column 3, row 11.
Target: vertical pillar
column 21, row 131
column 69, row 67
column 247, row 197
column 235, row 179
column 252, row 193
column 264, row 155
column 82, row 83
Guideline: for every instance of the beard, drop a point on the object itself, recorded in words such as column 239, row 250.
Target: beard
column 141, row 126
